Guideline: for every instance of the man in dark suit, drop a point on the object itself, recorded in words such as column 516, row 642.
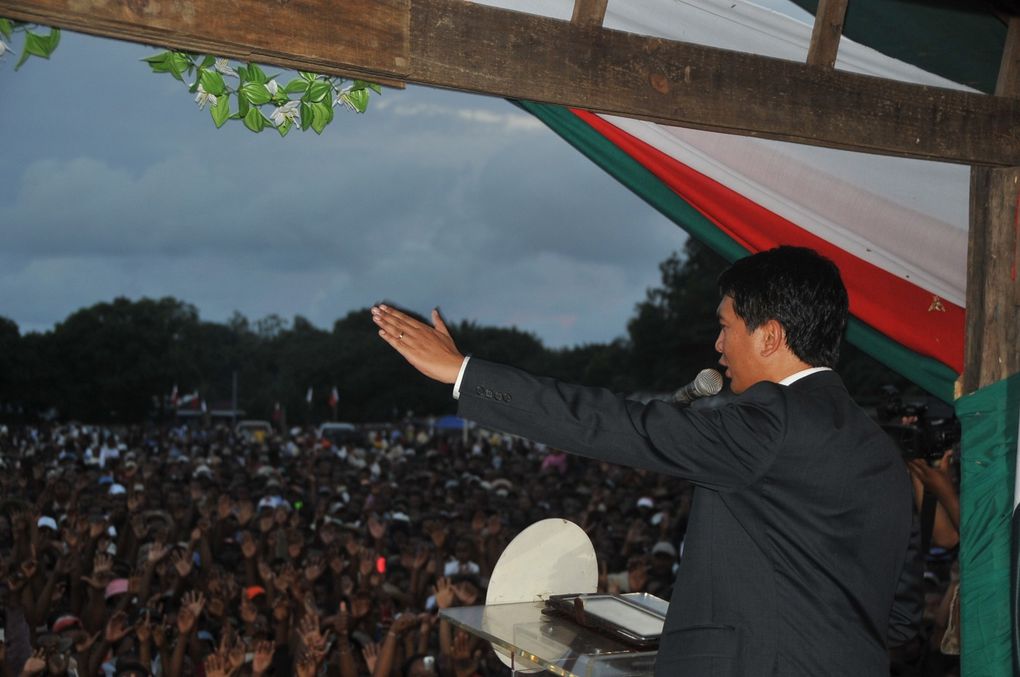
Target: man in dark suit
column 801, row 515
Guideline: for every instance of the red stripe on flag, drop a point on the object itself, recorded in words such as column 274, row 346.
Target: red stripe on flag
column 908, row 314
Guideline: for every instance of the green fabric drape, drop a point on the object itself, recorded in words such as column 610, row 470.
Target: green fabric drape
column 987, row 468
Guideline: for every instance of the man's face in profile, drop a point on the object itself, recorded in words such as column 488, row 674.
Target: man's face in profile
column 740, row 350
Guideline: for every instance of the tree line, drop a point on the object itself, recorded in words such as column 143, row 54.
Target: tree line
column 119, row 361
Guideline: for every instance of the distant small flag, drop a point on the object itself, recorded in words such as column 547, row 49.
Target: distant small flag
column 334, row 397
column 308, row 397
column 190, row 400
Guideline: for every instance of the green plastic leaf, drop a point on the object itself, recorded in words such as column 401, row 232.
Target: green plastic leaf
column 358, row 84
column 23, row 58
column 256, row 93
column 307, row 115
column 308, row 77
column 220, row 111
column 256, row 74
column 242, row 73
column 208, row 61
column 322, row 115
column 255, row 120
column 6, row 28
column 38, row 45
column 317, row 91
column 375, row 87
column 242, row 106
column 296, row 86
column 159, row 63
column 212, row 82
column 54, row 40
column 285, row 127
column 35, row 45
column 358, row 99
column 179, row 64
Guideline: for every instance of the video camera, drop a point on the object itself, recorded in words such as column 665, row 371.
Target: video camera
column 920, row 429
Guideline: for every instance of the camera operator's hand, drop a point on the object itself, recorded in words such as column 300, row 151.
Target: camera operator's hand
column 938, row 480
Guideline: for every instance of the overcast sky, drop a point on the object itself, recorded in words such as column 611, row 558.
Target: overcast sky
column 114, row 183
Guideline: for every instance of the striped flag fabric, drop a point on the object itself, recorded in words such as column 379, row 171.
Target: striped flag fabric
column 896, row 227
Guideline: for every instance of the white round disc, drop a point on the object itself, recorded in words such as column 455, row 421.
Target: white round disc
column 550, row 557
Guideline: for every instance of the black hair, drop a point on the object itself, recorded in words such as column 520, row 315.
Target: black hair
column 800, row 289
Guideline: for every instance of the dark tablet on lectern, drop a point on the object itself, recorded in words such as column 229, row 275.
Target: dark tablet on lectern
column 635, row 619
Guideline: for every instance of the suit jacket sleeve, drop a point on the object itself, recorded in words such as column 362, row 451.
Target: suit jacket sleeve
column 724, row 448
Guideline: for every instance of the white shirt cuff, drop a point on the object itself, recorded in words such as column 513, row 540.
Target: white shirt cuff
column 460, row 376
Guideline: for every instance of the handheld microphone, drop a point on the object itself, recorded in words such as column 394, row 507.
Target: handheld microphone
column 708, row 382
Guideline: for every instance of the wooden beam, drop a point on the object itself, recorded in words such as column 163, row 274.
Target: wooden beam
column 353, row 38
column 477, row 48
column 589, row 13
column 827, row 31
column 992, row 345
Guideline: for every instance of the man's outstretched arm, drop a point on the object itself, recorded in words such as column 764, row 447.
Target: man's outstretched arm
column 430, row 350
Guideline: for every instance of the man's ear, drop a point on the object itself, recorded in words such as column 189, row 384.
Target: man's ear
column 773, row 337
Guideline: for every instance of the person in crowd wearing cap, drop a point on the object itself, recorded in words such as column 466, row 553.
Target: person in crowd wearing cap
column 661, row 571
column 801, row 516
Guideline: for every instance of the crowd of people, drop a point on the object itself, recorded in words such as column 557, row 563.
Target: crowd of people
column 197, row 551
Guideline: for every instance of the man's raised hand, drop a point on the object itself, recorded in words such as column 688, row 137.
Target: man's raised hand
column 430, row 350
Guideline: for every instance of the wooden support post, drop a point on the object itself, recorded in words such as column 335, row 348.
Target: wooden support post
column 993, row 270
column 589, row 13
column 993, row 302
column 826, row 33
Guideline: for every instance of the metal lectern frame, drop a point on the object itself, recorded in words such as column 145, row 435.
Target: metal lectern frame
column 536, row 641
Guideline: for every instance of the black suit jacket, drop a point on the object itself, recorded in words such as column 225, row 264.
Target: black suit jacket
column 799, row 526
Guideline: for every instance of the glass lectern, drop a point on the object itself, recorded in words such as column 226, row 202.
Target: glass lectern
column 535, row 641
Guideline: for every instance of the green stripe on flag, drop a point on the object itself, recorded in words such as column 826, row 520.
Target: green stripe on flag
column 987, row 472
column 926, row 372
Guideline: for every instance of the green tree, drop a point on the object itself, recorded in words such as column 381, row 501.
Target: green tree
column 114, row 358
column 672, row 335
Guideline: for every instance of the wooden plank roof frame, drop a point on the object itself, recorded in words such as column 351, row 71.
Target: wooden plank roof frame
column 477, row 48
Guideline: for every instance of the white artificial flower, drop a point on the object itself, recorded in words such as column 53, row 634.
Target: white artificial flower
column 223, row 66
column 272, row 87
column 203, row 97
column 4, row 48
column 288, row 112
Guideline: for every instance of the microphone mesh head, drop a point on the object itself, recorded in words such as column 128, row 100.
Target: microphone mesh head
column 708, row 382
